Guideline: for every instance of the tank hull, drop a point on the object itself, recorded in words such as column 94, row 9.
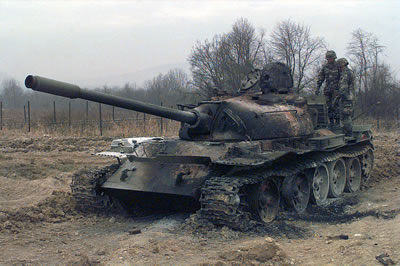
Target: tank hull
column 152, row 164
column 224, row 173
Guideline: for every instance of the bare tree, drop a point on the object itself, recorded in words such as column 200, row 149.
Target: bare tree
column 364, row 50
column 374, row 53
column 169, row 89
column 293, row 44
column 242, row 49
column 383, row 88
column 358, row 49
column 12, row 93
column 220, row 64
column 206, row 66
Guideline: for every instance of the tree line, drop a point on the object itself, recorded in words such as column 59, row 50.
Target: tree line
column 218, row 65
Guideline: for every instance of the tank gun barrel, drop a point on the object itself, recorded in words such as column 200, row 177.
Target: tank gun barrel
column 64, row 89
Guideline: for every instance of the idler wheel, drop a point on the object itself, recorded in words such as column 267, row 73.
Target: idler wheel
column 353, row 170
column 367, row 163
column 319, row 177
column 296, row 191
column 264, row 201
column 337, row 177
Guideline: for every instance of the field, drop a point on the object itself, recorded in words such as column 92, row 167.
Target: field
column 39, row 224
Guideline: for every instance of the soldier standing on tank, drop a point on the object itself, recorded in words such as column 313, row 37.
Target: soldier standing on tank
column 346, row 96
column 330, row 74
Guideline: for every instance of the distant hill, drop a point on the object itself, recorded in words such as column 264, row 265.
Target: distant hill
column 138, row 77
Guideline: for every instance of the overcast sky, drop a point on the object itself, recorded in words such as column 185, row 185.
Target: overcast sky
column 89, row 41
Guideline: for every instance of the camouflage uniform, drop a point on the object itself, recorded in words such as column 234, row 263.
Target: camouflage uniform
column 330, row 74
column 346, row 94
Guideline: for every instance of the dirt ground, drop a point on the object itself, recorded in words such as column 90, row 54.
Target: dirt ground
column 39, row 224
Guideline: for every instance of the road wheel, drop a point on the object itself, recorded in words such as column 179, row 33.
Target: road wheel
column 296, row 191
column 367, row 163
column 264, row 199
column 319, row 178
column 337, row 177
column 353, row 172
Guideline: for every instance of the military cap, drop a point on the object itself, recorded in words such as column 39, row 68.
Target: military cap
column 342, row 62
column 330, row 54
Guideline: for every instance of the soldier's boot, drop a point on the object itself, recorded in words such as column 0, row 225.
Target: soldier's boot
column 347, row 121
column 336, row 119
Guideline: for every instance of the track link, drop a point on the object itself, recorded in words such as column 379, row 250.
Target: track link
column 85, row 187
column 223, row 204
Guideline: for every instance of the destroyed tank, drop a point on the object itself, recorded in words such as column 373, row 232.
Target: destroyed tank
column 240, row 158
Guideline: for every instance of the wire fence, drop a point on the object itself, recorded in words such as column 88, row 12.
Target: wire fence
column 104, row 119
column 28, row 119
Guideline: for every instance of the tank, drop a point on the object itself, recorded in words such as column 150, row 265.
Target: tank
column 238, row 158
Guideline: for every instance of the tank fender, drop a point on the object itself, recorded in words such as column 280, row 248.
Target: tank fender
column 158, row 176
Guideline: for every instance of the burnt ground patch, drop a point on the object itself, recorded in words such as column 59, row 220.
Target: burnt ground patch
column 291, row 225
column 281, row 228
column 340, row 210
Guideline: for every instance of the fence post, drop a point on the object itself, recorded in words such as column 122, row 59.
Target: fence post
column 100, row 121
column 54, row 113
column 69, row 114
column 113, row 118
column 144, row 122
column 87, row 113
column 29, row 117
column 161, row 123
column 1, row 115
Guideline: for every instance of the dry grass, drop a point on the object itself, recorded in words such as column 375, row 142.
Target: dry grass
column 385, row 125
column 127, row 123
column 129, row 128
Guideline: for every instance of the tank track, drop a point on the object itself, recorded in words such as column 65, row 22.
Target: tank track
column 85, row 189
column 223, row 204
column 222, row 199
